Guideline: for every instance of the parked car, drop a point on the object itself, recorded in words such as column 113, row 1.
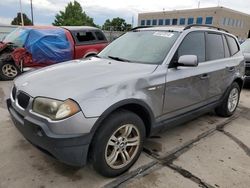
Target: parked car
column 101, row 109
column 246, row 51
column 34, row 47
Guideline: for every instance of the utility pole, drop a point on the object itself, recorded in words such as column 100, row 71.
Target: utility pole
column 21, row 10
column 199, row 4
column 31, row 9
column 132, row 21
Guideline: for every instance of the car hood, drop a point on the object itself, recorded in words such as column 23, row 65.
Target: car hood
column 76, row 78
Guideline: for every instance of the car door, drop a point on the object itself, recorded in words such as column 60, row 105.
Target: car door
column 186, row 87
column 216, row 62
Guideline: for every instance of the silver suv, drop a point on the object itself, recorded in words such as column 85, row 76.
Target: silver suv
column 101, row 109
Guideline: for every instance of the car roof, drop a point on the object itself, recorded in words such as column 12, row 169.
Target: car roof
column 76, row 28
column 181, row 28
column 70, row 28
column 163, row 28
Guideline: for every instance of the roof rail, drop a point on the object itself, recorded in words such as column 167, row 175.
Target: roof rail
column 140, row 27
column 208, row 26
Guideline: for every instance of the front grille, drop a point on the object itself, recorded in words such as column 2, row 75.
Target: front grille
column 14, row 93
column 23, row 100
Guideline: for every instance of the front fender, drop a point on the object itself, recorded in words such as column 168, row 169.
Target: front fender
column 120, row 104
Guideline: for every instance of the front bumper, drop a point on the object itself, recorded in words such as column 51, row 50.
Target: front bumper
column 69, row 149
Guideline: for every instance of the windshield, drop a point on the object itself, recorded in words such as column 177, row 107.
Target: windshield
column 149, row 47
column 245, row 46
column 17, row 37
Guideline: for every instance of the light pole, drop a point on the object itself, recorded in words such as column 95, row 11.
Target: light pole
column 31, row 9
column 21, row 10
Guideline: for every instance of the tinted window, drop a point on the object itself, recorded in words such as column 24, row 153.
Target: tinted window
column 193, row 44
column 226, row 48
column 199, row 20
column 142, row 22
column 148, row 22
column 190, row 21
column 215, row 47
column 161, row 22
column 209, row 20
column 167, row 22
column 174, row 21
column 233, row 46
column 182, row 21
column 154, row 22
column 100, row 35
column 83, row 36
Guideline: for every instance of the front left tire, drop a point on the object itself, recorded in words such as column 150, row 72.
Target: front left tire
column 118, row 143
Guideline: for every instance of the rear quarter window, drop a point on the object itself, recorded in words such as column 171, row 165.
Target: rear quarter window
column 233, row 45
column 84, row 36
column 100, row 36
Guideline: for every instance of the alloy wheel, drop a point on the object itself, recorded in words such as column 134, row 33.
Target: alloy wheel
column 122, row 146
column 9, row 70
column 233, row 99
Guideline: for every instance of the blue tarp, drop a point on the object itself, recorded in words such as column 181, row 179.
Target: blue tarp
column 48, row 45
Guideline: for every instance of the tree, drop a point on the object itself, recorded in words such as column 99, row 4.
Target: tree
column 117, row 24
column 18, row 20
column 73, row 16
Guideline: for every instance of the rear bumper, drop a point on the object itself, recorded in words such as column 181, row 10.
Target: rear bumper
column 69, row 149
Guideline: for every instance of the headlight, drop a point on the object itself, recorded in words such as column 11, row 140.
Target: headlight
column 55, row 109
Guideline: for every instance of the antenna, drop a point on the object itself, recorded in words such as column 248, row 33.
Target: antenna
column 218, row 3
column 199, row 3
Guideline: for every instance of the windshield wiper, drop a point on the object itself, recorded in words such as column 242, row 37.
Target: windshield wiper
column 118, row 59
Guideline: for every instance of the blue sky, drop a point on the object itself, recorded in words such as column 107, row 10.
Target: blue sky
column 100, row 10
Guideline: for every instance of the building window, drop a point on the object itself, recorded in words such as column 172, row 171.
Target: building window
column 242, row 24
column 160, row 22
column 190, row 21
column 154, row 22
column 199, row 20
column 167, row 22
column 224, row 21
column 174, row 21
column 182, row 21
column 228, row 21
column 233, row 22
column 209, row 20
column 148, row 22
column 142, row 22
column 237, row 23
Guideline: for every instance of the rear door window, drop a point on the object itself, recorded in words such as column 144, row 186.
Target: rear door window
column 233, row 45
column 214, row 46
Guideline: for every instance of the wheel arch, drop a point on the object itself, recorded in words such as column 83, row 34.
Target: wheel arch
column 239, row 81
column 134, row 105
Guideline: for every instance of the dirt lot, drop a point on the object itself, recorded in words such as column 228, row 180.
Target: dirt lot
column 207, row 152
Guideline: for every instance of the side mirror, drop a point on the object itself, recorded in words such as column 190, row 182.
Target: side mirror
column 188, row 61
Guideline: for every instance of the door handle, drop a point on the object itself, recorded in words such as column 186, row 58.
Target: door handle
column 204, row 76
column 230, row 69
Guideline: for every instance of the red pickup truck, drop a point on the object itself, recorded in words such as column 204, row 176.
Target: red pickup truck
column 38, row 46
